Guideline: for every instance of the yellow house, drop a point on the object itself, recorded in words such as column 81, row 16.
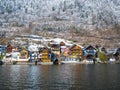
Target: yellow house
column 23, row 54
column 45, row 55
column 76, row 51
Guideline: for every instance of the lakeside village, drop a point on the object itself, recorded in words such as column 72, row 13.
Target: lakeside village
column 54, row 51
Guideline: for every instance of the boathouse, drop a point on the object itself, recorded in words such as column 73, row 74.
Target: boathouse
column 89, row 52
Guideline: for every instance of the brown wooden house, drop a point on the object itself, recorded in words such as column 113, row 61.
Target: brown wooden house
column 23, row 54
column 76, row 51
column 9, row 48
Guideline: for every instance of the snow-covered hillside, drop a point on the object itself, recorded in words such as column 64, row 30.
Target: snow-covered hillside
column 87, row 14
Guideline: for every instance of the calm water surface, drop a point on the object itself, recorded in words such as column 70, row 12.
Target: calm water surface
column 60, row 77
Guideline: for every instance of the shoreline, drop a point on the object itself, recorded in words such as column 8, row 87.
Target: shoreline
column 51, row 63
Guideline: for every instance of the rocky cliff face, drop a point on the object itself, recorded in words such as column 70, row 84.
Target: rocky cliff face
column 85, row 14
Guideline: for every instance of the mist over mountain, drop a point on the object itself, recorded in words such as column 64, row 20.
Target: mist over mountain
column 85, row 14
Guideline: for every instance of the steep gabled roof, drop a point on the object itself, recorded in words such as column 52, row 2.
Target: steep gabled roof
column 90, row 46
column 76, row 45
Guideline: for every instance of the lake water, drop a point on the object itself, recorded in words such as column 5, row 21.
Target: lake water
column 60, row 77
